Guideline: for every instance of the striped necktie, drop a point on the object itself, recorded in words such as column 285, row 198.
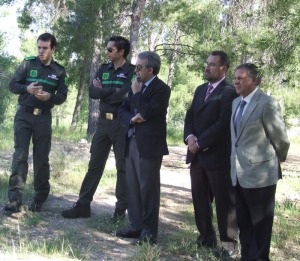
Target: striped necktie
column 209, row 90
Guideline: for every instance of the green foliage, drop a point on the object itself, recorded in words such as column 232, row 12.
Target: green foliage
column 7, row 66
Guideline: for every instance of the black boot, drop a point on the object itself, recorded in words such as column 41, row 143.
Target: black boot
column 78, row 210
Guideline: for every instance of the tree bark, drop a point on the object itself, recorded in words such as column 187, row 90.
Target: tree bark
column 80, row 94
column 94, row 104
column 137, row 9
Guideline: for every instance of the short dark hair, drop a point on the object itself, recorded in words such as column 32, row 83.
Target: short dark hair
column 153, row 60
column 48, row 37
column 252, row 70
column 224, row 59
column 121, row 43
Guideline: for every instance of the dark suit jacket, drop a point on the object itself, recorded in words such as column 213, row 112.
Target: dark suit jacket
column 152, row 104
column 209, row 121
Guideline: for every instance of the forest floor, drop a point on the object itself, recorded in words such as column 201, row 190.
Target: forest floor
column 95, row 237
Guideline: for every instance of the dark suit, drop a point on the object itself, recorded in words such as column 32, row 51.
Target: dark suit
column 144, row 154
column 209, row 121
column 258, row 147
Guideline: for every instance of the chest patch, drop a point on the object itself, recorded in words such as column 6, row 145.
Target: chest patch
column 52, row 76
column 33, row 73
column 105, row 76
column 121, row 75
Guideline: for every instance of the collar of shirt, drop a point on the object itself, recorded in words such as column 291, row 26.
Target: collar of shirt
column 149, row 81
column 249, row 97
column 215, row 84
column 247, row 100
column 123, row 67
column 41, row 63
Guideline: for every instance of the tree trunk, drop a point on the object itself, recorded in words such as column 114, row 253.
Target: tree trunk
column 94, row 104
column 80, row 94
column 137, row 9
column 174, row 57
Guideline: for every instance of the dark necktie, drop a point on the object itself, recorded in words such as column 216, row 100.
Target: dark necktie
column 143, row 88
column 239, row 115
column 209, row 90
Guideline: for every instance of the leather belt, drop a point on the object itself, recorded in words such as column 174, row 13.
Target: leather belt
column 108, row 115
column 31, row 110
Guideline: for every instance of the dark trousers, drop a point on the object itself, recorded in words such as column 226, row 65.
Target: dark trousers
column 37, row 127
column 255, row 213
column 208, row 185
column 109, row 133
column 143, row 191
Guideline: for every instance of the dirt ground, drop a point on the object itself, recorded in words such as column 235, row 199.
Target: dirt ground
column 102, row 244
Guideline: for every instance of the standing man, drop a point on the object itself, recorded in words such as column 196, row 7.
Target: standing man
column 144, row 114
column 207, row 134
column 259, row 144
column 40, row 83
column 111, row 85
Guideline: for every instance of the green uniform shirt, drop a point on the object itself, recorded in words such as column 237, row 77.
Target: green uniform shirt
column 52, row 77
column 115, row 85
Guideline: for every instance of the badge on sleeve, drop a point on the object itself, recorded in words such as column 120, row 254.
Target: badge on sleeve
column 33, row 73
column 105, row 76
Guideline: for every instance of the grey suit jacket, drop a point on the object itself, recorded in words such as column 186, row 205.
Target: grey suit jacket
column 260, row 144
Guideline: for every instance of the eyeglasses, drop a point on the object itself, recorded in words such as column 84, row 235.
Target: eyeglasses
column 110, row 50
column 139, row 67
column 211, row 65
column 240, row 78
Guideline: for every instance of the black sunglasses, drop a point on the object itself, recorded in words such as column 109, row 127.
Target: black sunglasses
column 109, row 49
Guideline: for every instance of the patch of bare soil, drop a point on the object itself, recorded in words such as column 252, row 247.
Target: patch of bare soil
column 96, row 235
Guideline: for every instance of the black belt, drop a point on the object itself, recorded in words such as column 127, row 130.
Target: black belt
column 108, row 115
column 34, row 111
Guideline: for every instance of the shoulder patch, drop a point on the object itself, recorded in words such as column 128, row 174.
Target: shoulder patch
column 30, row 58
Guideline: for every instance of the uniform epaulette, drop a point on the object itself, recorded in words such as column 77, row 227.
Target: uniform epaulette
column 30, row 58
column 58, row 64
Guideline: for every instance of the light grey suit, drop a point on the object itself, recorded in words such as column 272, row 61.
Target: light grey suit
column 259, row 145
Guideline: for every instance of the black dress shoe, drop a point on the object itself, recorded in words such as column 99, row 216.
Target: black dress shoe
column 13, row 206
column 119, row 215
column 147, row 236
column 35, row 206
column 203, row 242
column 128, row 233
column 77, row 211
column 224, row 254
column 146, row 239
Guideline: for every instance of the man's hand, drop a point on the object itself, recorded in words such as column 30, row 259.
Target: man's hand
column 138, row 119
column 192, row 145
column 97, row 83
column 136, row 86
column 43, row 96
column 34, row 88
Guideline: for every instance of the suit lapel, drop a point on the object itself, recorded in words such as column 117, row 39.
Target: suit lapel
column 249, row 110
column 151, row 86
column 202, row 93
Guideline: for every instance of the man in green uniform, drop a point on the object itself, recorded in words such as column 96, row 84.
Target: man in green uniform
column 40, row 83
column 111, row 85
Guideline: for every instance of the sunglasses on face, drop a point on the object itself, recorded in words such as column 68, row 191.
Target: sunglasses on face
column 110, row 50
column 139, row 67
